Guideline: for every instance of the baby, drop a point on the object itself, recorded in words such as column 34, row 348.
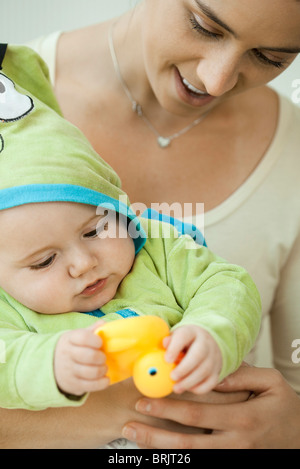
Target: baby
column 71, row 252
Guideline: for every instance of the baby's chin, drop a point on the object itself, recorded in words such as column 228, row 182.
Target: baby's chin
column 57, row 309
column 86, row 307
column 47, row 306
column 53, row 311
column 75, row 309
column 83, row 306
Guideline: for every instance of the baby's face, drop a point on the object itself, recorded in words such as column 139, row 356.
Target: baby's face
column 56, row 257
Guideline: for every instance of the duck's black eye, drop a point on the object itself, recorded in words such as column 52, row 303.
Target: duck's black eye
column 152, row 371
column 2, row 88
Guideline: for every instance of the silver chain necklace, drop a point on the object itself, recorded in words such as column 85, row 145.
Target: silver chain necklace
column 163, row 142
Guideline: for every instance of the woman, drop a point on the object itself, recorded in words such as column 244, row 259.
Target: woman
column 173, row 96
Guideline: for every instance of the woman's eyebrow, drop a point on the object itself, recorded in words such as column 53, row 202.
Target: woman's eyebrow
column 210, row 14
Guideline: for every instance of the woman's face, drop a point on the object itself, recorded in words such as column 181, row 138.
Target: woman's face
column 199, row 52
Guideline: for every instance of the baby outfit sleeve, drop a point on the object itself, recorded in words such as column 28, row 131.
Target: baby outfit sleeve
column 26, row 366
column 215, row 295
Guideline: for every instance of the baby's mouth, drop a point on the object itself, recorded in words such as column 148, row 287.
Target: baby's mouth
column 94, row 288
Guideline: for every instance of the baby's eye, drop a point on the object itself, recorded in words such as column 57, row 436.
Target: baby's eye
column 44, row 264
column 102, row 225
column 91, row 234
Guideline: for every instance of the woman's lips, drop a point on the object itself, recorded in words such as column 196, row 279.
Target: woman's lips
column 188, row 93
column 94, row 288
column 192, row 88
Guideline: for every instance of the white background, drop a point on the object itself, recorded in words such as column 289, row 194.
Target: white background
column 23, row 20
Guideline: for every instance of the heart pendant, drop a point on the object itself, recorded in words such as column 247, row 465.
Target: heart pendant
column 163, row 142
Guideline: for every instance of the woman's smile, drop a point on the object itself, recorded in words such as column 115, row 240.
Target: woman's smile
column 189, row 93
column 192, row 88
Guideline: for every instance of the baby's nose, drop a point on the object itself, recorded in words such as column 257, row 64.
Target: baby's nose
column 82, row 262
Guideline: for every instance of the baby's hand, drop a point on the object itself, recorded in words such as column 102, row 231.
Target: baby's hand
column 79, row 364
column 199, row 369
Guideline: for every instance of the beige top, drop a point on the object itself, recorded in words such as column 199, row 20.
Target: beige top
column 258, row 227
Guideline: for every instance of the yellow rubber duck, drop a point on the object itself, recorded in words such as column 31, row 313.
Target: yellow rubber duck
column 134, row 347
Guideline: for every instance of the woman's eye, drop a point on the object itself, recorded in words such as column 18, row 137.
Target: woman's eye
column 265, row 60
column 202, row 30
column 44, row 264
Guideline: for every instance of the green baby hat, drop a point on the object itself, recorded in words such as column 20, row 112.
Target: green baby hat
column 43, row 157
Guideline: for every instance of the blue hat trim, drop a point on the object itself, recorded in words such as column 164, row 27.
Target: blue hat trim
column 36, row 193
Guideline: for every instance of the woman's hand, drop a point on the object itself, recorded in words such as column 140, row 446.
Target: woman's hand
column 269, row 419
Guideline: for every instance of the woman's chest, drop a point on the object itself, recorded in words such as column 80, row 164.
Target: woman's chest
column 195, row 169
column 205, row 164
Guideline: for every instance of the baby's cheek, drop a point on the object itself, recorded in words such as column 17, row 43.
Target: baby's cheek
column 47, row 297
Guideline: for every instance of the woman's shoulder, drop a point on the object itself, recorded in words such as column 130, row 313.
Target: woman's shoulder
column 290, row 107
column 66, row 52
column 289, row 125
column 46, row 47
column 286, row 116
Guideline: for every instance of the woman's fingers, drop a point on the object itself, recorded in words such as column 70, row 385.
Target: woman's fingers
column 257, row 380
column 189, row 413
column 151, row 437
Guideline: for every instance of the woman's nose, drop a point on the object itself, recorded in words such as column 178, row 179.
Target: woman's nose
column 219, row 72
column 82, row 261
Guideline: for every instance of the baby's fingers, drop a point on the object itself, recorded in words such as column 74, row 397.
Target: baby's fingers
column 206, row 386
column 85, row 338
column 199, row 381
column 89, row 372
column 88, row 356
column 95, row 385
column 179, row 340
column 193, row 358
column 87, row 379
